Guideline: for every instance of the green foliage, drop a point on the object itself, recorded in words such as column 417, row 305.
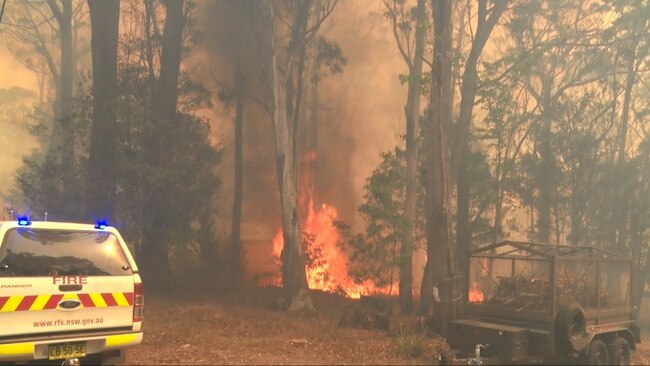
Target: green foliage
column 375, row 253
column 40, row 179
column 568, row 63
column 189, row 183
column 329, row 56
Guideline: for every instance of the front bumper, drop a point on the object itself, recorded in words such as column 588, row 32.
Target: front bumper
column 28, row 350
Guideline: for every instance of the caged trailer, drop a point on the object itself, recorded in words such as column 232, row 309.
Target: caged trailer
column 532, row 302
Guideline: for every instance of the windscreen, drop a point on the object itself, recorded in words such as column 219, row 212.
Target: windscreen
column 28, row 252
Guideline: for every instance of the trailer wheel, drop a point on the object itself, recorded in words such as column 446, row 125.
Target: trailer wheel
column 597, row 354
column 571, row 329
column 619, row 352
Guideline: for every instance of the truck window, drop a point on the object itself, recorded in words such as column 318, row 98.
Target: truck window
column 27, row 252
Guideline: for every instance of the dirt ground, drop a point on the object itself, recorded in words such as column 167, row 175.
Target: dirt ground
column 244, row 327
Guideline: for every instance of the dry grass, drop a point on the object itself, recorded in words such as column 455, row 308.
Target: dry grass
column 242, row 328
column 199, row 327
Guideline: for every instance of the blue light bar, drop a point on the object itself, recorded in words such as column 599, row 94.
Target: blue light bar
column 101, row 225
column 24, row 221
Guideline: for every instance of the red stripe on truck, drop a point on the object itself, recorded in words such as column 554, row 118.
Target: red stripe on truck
column 86, row 301
column 129, row 297
column 26, row 303
column 110, row 300
column 53, row 302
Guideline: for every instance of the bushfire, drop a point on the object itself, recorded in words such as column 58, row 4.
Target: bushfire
column 328, row 267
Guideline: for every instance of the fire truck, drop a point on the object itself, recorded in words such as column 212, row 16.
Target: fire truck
column 530, row 302
column 68, row 292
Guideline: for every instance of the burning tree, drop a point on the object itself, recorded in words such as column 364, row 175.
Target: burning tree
column 289, row 26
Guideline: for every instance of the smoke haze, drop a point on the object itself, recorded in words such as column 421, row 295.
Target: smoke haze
column 361, row 114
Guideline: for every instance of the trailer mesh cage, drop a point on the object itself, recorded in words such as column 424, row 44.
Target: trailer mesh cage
column 533, row 279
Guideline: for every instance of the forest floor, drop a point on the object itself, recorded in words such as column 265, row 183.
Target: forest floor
column 245, row 327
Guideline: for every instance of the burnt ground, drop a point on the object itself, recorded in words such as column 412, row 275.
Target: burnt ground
column 198, row 327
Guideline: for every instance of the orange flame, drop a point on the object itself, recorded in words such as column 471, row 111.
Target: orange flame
column 329, row 272
column 475, row 294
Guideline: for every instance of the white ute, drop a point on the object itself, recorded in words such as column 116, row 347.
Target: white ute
column 68, row 292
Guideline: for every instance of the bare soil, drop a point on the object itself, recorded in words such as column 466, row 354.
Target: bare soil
column 247, row 327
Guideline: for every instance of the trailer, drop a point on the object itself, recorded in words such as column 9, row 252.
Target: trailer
column 531, row 302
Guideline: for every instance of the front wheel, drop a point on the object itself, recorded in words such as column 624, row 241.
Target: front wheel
column 597, row 353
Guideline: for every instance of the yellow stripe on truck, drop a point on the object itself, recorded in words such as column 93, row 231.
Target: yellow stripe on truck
column 98, row 300
column 120, row 340
column 70, row 296
column 40, row 302
column 120, row 299
column 12, row 303
column 16, row 349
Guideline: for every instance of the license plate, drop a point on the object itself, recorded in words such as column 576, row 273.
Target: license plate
column 71, row 350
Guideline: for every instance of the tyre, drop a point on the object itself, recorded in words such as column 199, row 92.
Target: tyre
column 619, row 352
column 598, row 353
column 571, row 329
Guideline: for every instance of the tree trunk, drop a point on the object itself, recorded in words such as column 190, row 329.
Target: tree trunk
column 460, row 154
column 65, row 120
column 498, row 201
column 620, row 207
column 279, row 75
column 441, row 266
column 156, row 243
column 64, row 147
column 576, row 208
column 104, row 16
column 235, row 237
column 412, row 118
column 638, row 226
column 545, row 173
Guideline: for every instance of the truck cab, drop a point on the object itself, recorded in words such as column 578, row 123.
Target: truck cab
column 67, row 292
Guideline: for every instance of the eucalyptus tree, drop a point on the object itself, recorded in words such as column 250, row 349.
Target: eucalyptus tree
column 409, row 29
column 550, row 64
column 441, row 266
column 288, row 27
column 487, row 19
column 104, row 19
column 164, row 99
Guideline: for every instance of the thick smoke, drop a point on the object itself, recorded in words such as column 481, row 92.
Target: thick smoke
column 360, row 114
column 18, row 88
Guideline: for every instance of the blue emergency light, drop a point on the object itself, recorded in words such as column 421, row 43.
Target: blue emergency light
column 24, row 221
column 101, row 225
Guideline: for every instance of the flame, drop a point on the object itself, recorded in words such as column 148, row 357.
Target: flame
column 475, row 294
column 327, row 269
